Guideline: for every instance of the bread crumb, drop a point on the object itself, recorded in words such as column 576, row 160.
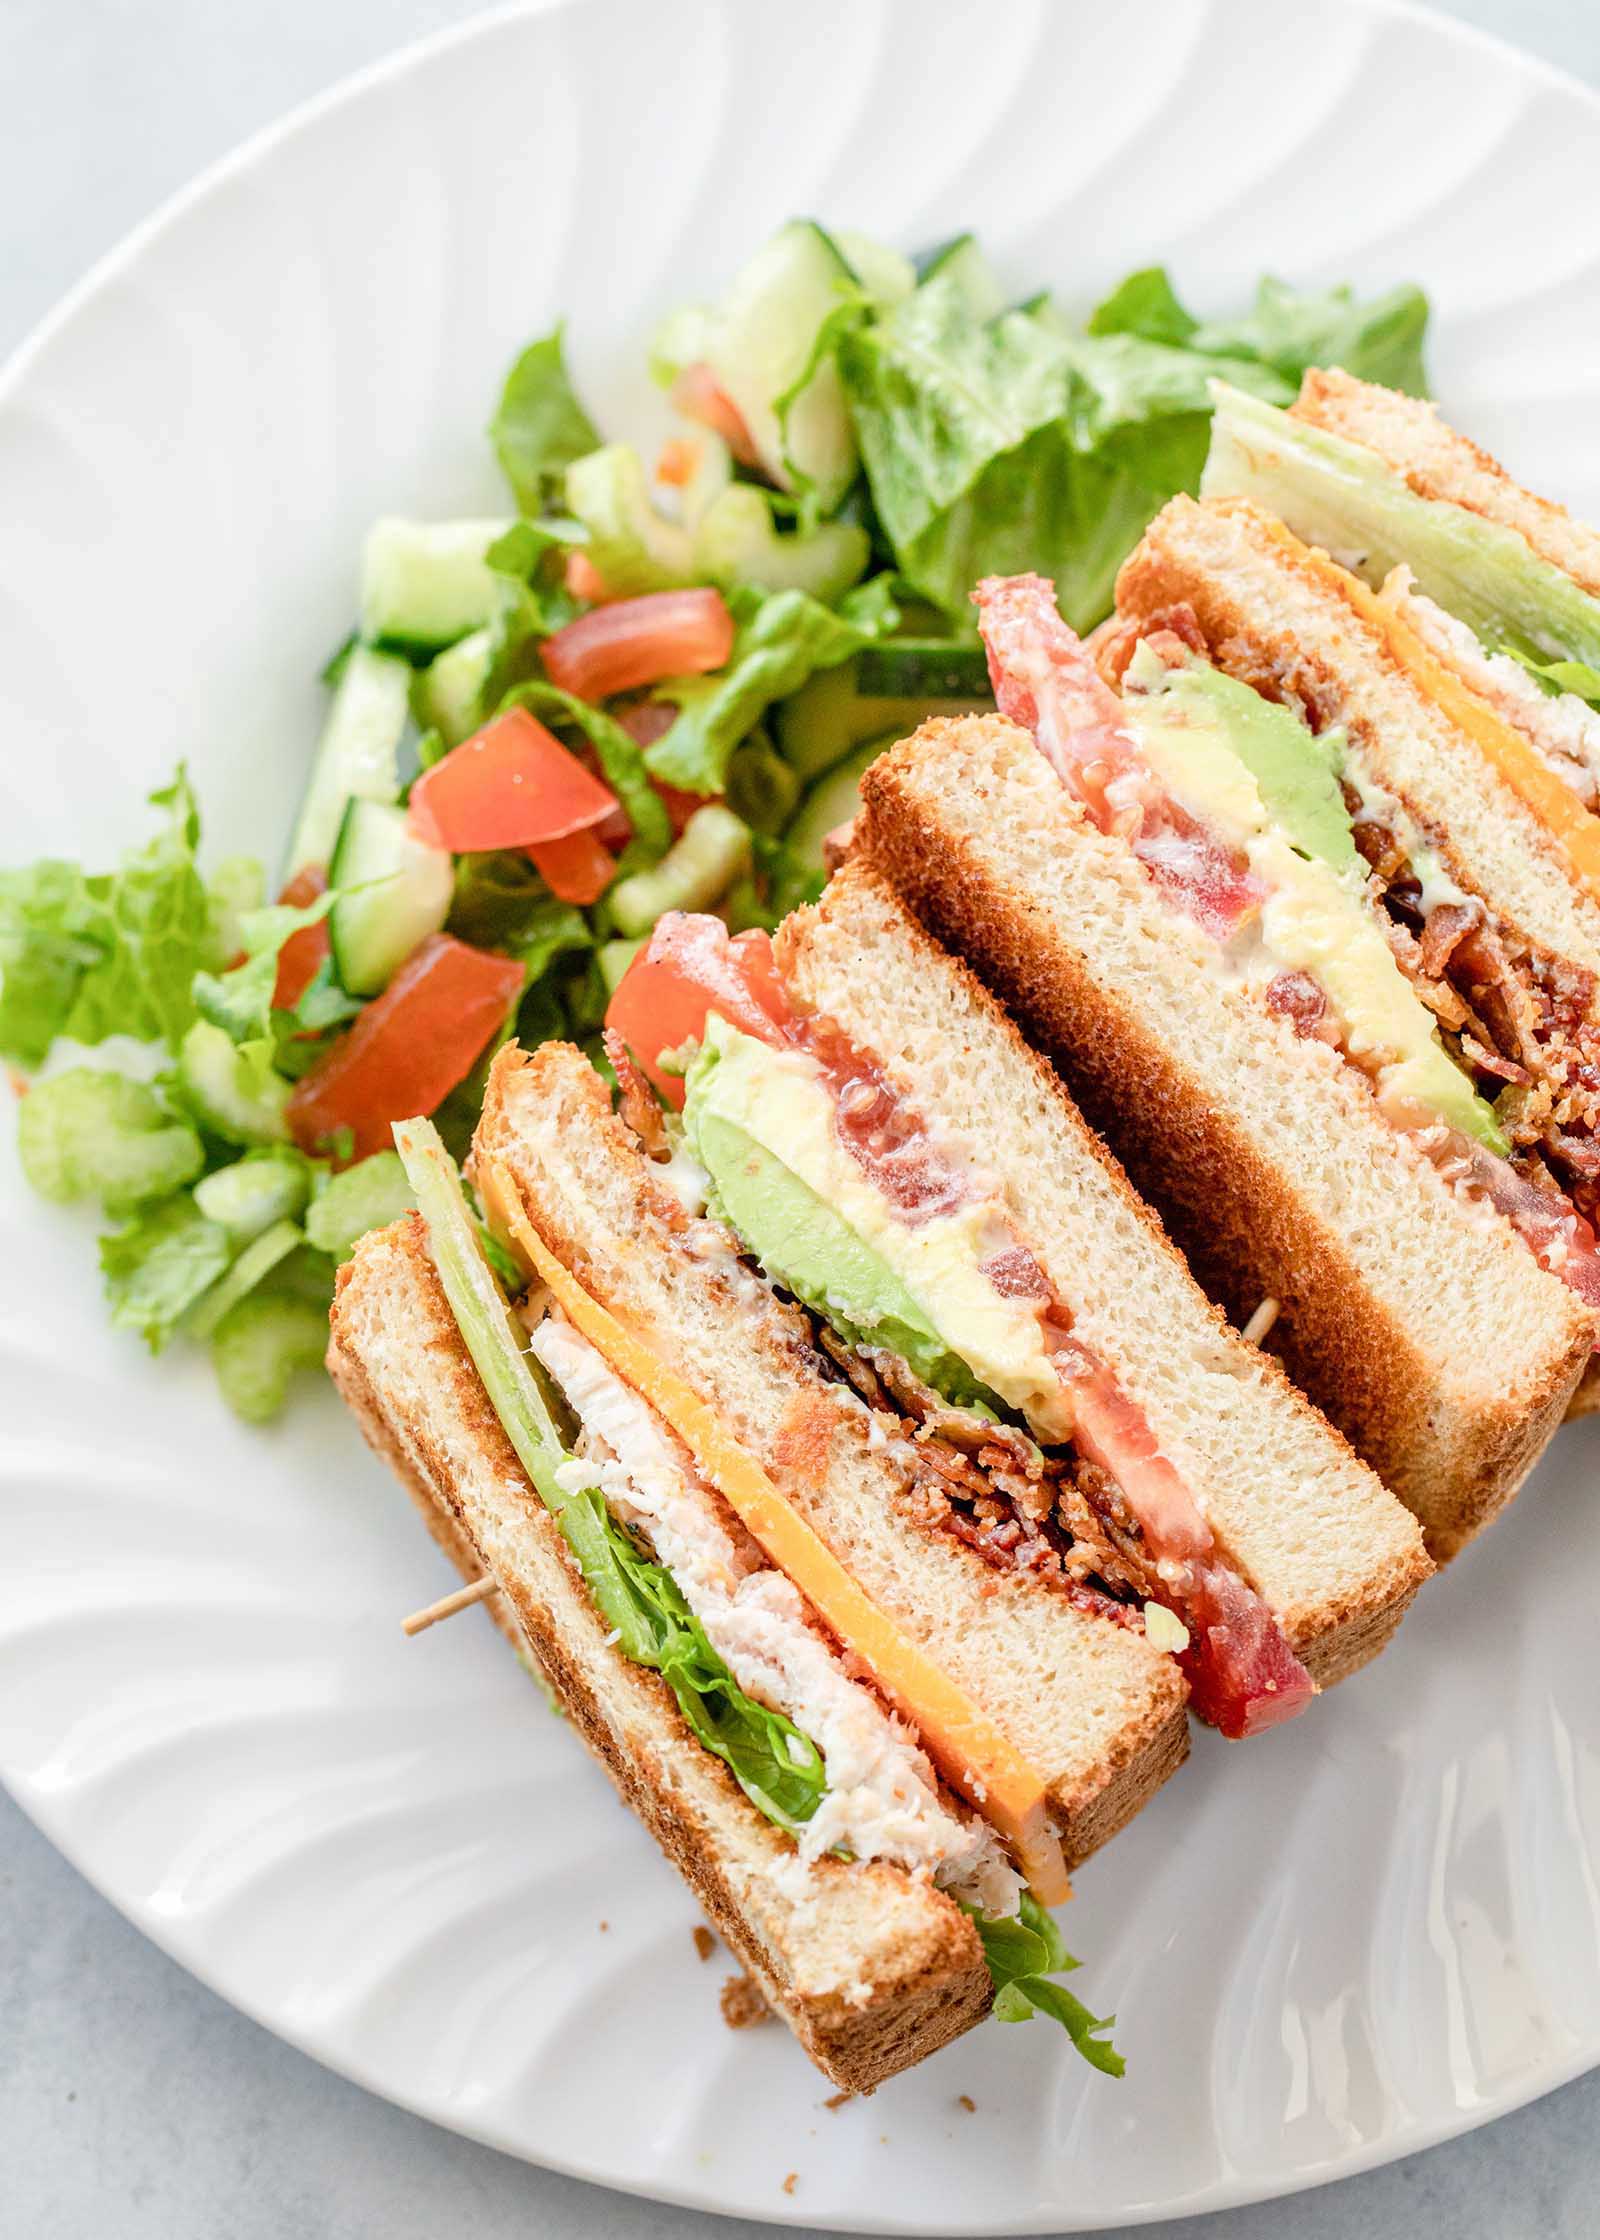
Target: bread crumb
column 604, row 1926
column 704, row 1942
column 838, row 2099
column 965, row 2100
column 791, row 2181
column 744, row 2003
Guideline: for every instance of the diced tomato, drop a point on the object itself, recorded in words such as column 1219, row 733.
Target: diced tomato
column 698, row 395
column 576, row 869
column 646, row 722
column 1045, row 680
column 584, row 579
column 300, row 958
column 511, row 785
column 407, row 1050
column 631, row 642
column 678, row 462
column 691, row 965
column 1550, row 1226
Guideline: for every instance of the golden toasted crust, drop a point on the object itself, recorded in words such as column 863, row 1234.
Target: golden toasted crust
column 1111, row 1728
column 399, row 1362
column 1586, row 1400
column 1241, row 1216
column 1435, row 461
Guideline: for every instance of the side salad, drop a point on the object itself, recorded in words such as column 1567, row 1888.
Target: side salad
column 651, row 684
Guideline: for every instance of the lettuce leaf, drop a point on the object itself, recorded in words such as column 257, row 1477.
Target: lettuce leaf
column 539, row 427
column 158, row 1265
column 112, row 953
column 1024, row 1952
column 87, row 1133
column 782, row 638
column 1009, row 443
column 1579, row 677
column 240, row 1000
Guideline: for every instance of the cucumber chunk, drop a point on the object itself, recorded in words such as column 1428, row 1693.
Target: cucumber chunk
column 358, row 756
column 230, row 1094
column 761, row 340
column 964, row 264
column 634, row 548
column 394, row 891
column 833, row 800
column 366, row 1196
column 614, row 958
column 924, row 669
column 259, row 1344
column 696, row 871
column 448, row 690
column 887, row 276
column 817, row 726
column 255, row 1192
column 257, row 1261
column 92, row 1134
column 426, row 583
column 737, row 543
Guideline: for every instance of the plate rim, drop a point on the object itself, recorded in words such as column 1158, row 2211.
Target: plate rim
column 1231, row 2193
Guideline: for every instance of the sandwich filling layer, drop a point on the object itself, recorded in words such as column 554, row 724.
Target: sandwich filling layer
column 1334, row 882
column 937, row 1312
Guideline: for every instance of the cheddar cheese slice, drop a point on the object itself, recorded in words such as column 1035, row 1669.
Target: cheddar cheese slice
column 970, row 1751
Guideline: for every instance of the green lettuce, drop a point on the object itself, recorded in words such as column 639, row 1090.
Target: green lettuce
column 91, row 1134
column 158, row 1265
column 782, row 639
column 993, row 446
column 1024, row 1952
column 113, row 952
column 539, row 427
column 1579, row 677
column 239, row 1001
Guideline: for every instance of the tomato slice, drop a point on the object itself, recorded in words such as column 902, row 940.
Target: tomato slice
column 578, row 868
column 631, row 642
column 691, row 965
column 584, row 579
column 646, row 722
column 698, row 395
column 300, row 958
column 510, row 785
column 406, row 1051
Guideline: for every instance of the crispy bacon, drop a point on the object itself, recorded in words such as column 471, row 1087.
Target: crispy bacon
column 1296, row 996
column 1444, row 929
column 640, row 1108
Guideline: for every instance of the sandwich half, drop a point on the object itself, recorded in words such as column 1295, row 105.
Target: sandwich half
column 887, row 1149
column 872, row 1757
column 1163, row 861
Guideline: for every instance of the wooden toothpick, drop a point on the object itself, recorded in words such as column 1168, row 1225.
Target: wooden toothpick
column 463, row 1599
column 1260, row 1322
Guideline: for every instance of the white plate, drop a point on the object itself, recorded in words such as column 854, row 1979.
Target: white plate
column 1327, row 1947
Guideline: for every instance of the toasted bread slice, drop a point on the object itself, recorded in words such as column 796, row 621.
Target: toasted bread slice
column 1425, row 1330
column 871, row 1967
column 1087, row 1701
column 1332, row 1553
column 1437, row 462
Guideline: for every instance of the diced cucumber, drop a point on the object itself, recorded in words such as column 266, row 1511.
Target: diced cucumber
column 737, row 543
column 761, row 340
column 92, row 1134
column 761, row 787
column 231, row 1094
column 817, row 726
column 923, row 669
column 887, row 276
column 259, row 1344
column 258, row 1259
column 447, row 690
column 634, row 548
column 697, row 870
column 614, row 958
column 366, row 1196
column 1045, row 312
column 236, row 887
column 251, row 1194
column 358, row 756
column 426, row 583
column 962, row 262
column 833, row 800
column 394, row 891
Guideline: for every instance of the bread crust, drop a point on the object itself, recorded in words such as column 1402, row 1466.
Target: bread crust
column 1241, row 1217
column 918, row 1988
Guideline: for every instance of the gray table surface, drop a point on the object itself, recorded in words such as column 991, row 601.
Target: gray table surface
column 134, row 2105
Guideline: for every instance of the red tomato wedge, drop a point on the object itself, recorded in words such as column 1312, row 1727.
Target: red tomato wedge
column 300, row 958
column 584, row 579
column 698, row 395
column 576, row 869
column 646, row 722
column 691, row 965
column 631, row 642
column 407, row 1050
column 1045, row 680
column 511, row 785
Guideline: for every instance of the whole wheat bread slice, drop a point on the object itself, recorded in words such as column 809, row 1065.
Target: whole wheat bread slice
column 871, row 1967
column 1435, row 461
column 1087, row 1701
column 1332, row 1553
column 1424, row 1330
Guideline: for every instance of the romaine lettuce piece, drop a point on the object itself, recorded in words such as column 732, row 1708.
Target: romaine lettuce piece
column 539, row 427
column 366, row 1196
column 157, row 1266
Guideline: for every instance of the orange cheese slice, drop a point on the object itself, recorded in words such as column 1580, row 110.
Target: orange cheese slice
column 1556, row 806
column 969, row 1750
